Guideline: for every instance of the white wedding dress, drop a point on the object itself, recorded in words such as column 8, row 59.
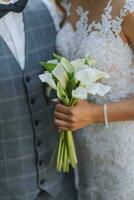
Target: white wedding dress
column 105, row 156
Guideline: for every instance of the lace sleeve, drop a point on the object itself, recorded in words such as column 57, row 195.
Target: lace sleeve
column 54, row 11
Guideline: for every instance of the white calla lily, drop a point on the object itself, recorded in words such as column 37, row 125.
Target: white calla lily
column 60, row 75
column 93, row 89
column 98, row 88
column 47, row 78
column 86, row 76
column 67, row 65
column 80, row 93
column 90, row 75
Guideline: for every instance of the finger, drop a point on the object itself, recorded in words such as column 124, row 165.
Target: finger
column 60, row 123
column 61, row 116
column 62, row 109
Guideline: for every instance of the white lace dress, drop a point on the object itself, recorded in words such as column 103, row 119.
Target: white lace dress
column 105, row 156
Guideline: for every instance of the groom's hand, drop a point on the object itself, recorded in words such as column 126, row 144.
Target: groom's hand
column 78, row 116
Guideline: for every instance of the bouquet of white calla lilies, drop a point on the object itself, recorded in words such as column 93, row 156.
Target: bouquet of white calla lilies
column 72, row 81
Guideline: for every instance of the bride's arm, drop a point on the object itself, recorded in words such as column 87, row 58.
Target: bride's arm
column 128, row 27
column 84, row 113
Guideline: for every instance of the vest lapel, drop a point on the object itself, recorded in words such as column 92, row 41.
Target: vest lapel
column 6, row 52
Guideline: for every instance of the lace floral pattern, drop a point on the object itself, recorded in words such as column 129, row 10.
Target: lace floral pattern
column 103, row 42
column 106, row 157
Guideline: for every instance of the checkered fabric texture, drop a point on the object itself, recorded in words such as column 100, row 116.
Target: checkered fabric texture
column 27, row 132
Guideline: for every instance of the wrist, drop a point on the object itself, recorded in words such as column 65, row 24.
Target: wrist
column 98, row 115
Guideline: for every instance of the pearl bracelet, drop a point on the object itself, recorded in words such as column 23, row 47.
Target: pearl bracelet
column 105, row 112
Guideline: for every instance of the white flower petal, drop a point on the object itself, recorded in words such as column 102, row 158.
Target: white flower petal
column 100, row 74
column 54, row 61
column 81, row 67
column 67, row 65
column 60, row 75
column 80, row 93
column 47, row 78
column 86, row 76
column 98, row 88
column 78, row 64
column 90, row 75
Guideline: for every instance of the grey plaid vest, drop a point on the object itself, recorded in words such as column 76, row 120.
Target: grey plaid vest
column 27, row 133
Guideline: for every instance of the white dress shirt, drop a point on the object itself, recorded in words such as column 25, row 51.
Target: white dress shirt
column 12, row 30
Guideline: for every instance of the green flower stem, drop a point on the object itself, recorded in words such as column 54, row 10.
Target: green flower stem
column 61, row 156
column 64, row 158
column 67, row 167
column 65, row 161
column 66, row 154
column 59, row 150
column 71, row 148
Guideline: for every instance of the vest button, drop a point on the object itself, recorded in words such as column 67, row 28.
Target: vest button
column 42, row 181
column 41, row 162
column 39, row 142
column 32, row 101
column 37, row 122
column 28, row 78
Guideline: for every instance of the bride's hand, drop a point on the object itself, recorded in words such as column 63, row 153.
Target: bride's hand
column 78, row 116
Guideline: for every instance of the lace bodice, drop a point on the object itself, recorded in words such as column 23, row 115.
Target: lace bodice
column 103, row 42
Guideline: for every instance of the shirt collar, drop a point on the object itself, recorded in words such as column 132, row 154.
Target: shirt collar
column 6, row 3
